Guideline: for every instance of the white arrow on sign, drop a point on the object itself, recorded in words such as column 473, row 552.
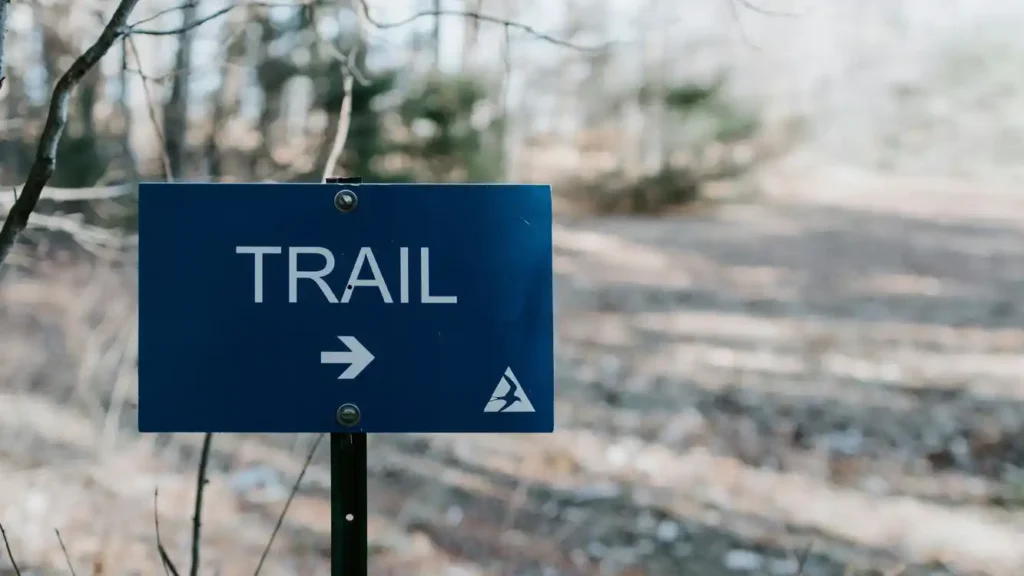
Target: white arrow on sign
column 358, row 357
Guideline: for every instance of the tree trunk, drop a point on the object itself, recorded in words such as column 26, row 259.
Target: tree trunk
column 435, row 36
column 226, row 103
column 176, row 110
column 124, row 105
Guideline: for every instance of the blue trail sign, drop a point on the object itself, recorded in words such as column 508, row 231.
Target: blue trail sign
column 419, row 308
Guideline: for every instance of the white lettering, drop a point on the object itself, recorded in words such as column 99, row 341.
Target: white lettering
column 294, row 274
column 403, row 268
column 366, row 257
column 257, row 257
column 425, row 295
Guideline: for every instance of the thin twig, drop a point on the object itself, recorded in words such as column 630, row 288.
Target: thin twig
column 210, row 61
column 734, row 6
column 288, row 503
column 344, row 121
column 479, row 18
column 197, row 513
column 153, row 118
column 749, row 5
column 5, row 8
column 126, row 114
column 164, row 12
column 134, row 30
column 347, row 61
column 801, row 559
column 56, row 119
column 67, row 557
column 506, row 82
column 96, row 239
column 85, row 233
column 165, row 559
column 10, row 555
column 80, row 194
column 734, row 10
column 180, row 29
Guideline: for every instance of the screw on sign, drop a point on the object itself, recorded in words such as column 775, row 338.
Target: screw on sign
column 357, row 308
column 346, row 201
column 348, row 415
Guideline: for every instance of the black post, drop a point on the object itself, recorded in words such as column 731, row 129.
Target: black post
column 348, row 465
column 348, row 505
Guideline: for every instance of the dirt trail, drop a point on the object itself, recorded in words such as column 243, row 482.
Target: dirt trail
column 840, row 369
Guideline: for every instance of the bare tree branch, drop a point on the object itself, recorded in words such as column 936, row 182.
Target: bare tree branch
column 133, row 29
column 734, row 10
column 78, row 194
column 164, row 12
column 734, row 6
column 344, row 121
column 126, row 114
column 749, row 5
column 348, row 62
column 46, row 154
column 180, row 29
column 151, row 108
column 64, row 549
column 480, row 18
column 176, row 109
column 169, row 568
column 287, row 504
column 197, row 514
column 222, row 47
column 3, row 533
column 802, row 558
column 5, row 6
column 100, row 241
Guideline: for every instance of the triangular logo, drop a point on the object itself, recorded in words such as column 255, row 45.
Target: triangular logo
column 509, row 396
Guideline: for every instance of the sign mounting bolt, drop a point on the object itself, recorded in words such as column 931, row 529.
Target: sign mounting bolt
column 348, row 415
column 346, row 201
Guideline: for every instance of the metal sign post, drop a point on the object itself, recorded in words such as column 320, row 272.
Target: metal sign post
column 348, row 505
column 346, row 308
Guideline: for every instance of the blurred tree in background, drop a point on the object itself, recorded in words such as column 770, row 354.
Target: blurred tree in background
column 256, row 95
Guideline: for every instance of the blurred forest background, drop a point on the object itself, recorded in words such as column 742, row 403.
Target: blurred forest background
column 789, row 266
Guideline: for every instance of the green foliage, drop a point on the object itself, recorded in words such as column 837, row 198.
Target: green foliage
column 80, row 161
column 709, row 103
column 615, row 193
column 366, row 138
column 688, row 96
column 387, row 144
column 695, row 115
column 449, row 146
column 1011, row 492
column 730, row 122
